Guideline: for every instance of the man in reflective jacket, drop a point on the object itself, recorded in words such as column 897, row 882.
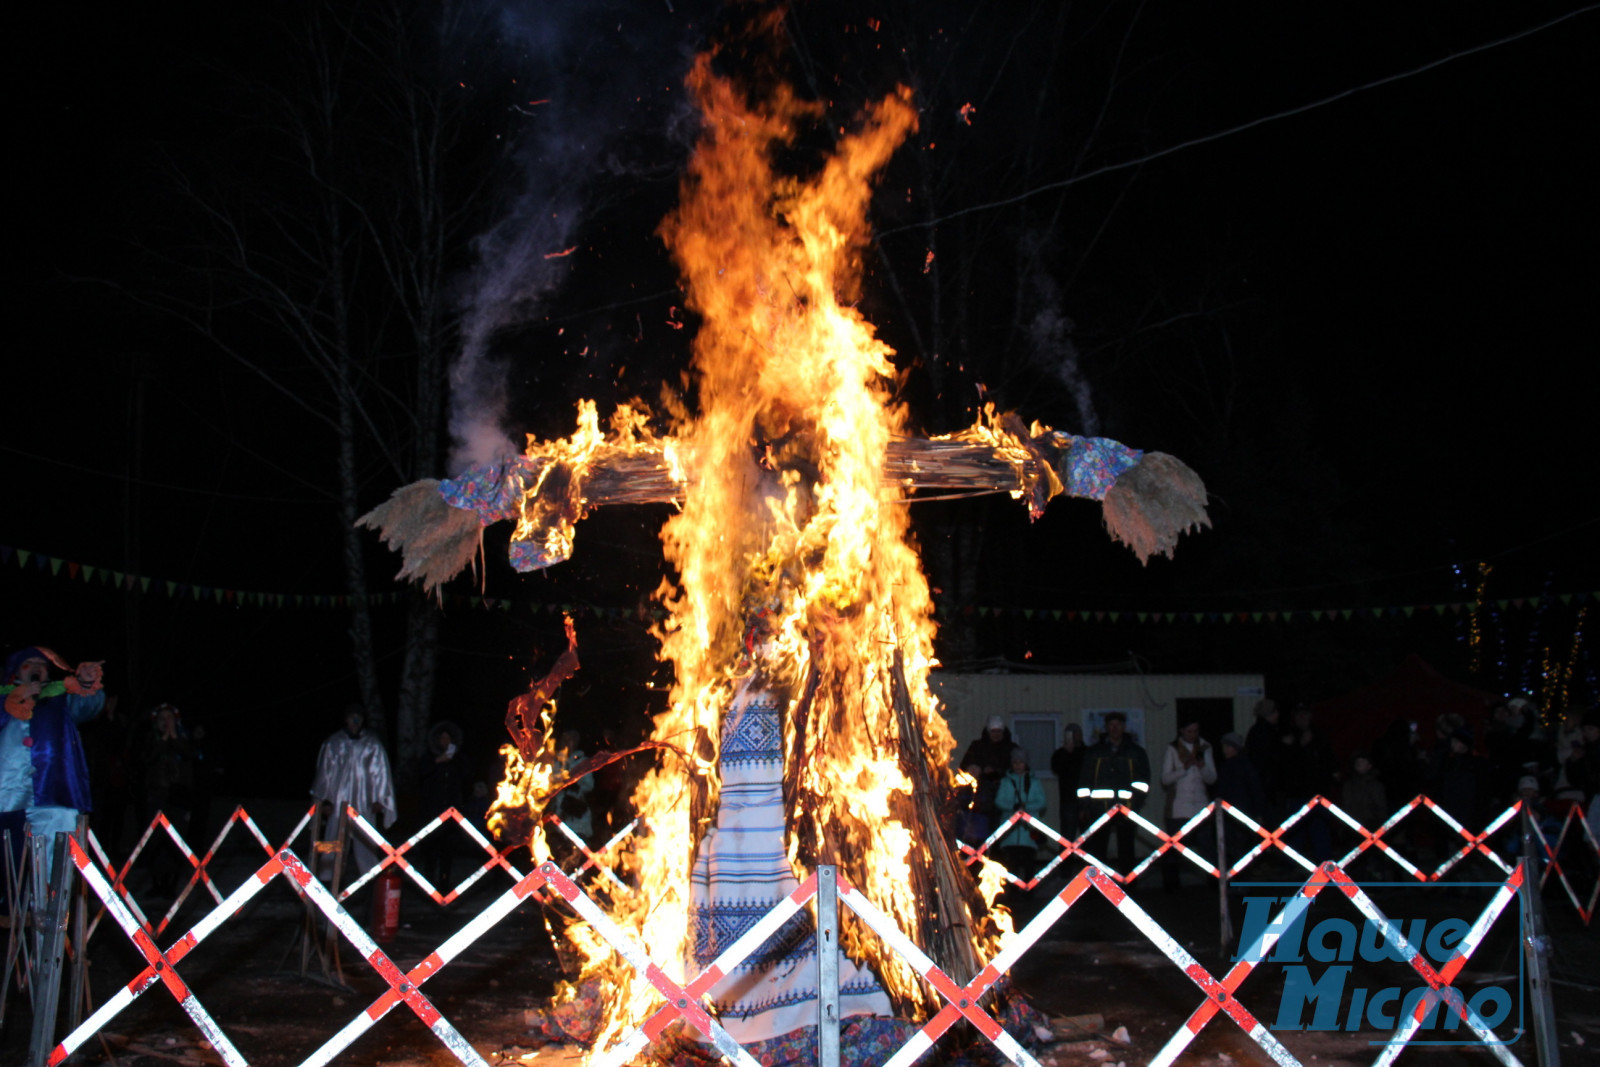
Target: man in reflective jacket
column 1115, row 771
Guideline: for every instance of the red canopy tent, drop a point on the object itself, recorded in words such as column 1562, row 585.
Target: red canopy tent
column 1414, row 691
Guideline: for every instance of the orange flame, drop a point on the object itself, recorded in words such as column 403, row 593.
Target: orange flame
column 793, row 555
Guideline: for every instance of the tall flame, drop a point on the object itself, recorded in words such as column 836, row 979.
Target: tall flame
column 792, row 548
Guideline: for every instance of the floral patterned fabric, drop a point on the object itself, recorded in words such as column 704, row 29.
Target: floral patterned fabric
column 1094, row 463
column 496, row 493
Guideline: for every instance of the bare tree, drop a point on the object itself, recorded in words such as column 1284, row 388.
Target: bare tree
column 329, row 239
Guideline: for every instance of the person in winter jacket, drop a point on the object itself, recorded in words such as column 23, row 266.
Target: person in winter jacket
column 167, row 757
column 1239, row 784
column 1187, row 768
column 44, row 777
column 1066, row 763
column 443, row 777
column 1263, row 746
column 1116, row 770
column 1461, row 785
column 1019, row 790
column 573, row 804
column 1308, row 770
column 1363, row 796
column 991, row 751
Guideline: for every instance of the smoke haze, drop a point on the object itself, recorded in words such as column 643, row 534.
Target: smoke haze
column 595, row 77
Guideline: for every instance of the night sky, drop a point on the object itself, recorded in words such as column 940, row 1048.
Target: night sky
column 1367, row 325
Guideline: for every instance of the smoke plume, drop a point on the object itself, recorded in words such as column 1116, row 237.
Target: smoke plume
column 592, row 80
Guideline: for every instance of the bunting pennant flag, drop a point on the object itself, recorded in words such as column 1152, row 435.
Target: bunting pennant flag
column 644, row 612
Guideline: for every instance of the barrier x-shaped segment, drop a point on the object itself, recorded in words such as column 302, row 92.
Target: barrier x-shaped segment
column 972, row 855
column 202, row 864
column 680, row 1002
column 1173, row 841
column 960, row 1001
column 1474, row 841
column 1374, row 838
column 1220, row 994
column 117, row 879
column 160, row 966
column 395, row 856
column 1553, row 863
column 1271, row 838
column 591, row 859
column 391, row 855
column 404, row 986
column 1439, row 980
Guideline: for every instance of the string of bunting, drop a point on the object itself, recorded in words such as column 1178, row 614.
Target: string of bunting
column 189, row 591
column 1459, row 607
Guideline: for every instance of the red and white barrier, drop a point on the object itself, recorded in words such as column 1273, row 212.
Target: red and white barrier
column 404, row 987
column 201, row 864
column 1273, row 839
column 686, row 1000
column 960, row 1001
column 1552, row 859
column 681, row 1003
column 591, row 859
column 160, row 966
column 1374, row 838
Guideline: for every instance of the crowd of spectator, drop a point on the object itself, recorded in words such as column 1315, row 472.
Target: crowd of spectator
column 1276, row 769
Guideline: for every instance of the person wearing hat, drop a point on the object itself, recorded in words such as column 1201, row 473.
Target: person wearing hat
column 44, row 777
column 1187, row 768
column 991, row 752
column 1116, row 770
column 1583, row 767
column 1239, row 785
column 1512, row 742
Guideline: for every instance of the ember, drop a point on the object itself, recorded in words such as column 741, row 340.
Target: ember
column 800, row 628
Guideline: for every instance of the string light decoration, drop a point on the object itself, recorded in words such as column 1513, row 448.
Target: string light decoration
column 1536, row 640
column 1475, row 618
column 1561, row 674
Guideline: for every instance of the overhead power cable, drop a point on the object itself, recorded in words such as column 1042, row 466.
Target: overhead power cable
column 1231, row 130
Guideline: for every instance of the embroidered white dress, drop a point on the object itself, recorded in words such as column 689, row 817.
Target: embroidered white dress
column 741, row 872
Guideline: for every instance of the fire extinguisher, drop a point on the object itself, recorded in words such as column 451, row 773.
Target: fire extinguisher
column 386, row 906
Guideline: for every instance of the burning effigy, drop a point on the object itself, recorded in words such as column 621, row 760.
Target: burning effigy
column 801, row 729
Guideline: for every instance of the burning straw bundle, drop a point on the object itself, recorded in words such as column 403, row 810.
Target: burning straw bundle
column 1149, row 499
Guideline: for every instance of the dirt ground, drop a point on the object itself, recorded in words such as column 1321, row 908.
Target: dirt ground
column 248, row 976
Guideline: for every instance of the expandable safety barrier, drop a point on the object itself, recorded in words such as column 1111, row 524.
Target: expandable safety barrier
column 963, row 1001
column 1552, row 862
column 201, row 864
column 1575, row 828
column 687, row 1000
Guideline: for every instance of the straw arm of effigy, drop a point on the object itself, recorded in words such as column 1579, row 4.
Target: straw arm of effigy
column 1148, row 498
